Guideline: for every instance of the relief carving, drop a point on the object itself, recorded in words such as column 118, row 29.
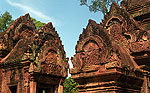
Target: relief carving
column 50, row 65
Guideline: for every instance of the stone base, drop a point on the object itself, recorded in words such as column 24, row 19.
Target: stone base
column 109, row 87
column 112, row 80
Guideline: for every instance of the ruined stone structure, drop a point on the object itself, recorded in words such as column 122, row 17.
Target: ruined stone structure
column 114, row 56
column 31, row 61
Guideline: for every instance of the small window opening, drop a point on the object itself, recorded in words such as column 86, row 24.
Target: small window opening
column 43, row 90
column 13, row 89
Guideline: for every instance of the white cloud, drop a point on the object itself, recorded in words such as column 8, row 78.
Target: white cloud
column 28, row 9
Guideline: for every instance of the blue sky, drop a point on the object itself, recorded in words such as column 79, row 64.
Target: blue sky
column 67, row 16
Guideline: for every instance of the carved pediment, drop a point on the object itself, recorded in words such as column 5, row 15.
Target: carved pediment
column 43, row 49
column 100, row 46
column 92, row 47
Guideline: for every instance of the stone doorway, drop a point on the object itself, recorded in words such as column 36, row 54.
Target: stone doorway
column 45, row 88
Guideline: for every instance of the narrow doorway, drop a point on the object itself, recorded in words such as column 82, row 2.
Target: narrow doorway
column 13, row 89
column 45, row 90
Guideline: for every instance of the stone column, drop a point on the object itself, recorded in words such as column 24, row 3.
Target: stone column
column 56, row 89
column 33, row 86
column 60, row 87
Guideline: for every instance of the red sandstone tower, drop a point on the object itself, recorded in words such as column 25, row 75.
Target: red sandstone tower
column 31, row 61
column 114, row 56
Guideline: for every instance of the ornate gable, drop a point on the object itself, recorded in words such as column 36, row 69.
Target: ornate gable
column 31, row 60
column 100, row 46
column 127, row 32
column 105, row 55
column 92, row 47
column 17, row 35
column 24, row 43
column 50, row 51
column 102, row 59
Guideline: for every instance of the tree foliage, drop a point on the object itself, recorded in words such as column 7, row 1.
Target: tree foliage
column 98, row 5
column 38, row 24
column 5, row 21
column 70, row 86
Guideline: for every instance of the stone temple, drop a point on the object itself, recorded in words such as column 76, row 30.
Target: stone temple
column 31, row 61
column 111, row 57
column 114, row 56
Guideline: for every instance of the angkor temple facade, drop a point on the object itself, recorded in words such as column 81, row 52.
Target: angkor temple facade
column 111, row 57
column 32, row 61
column 114, row 56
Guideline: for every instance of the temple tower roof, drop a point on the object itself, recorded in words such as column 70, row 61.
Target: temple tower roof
column 139, row 9
column 137, row 6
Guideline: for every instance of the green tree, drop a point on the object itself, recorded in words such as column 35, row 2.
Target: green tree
column 70, row 86
column 98, row 5
column 5, row 21
column 38, row 24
